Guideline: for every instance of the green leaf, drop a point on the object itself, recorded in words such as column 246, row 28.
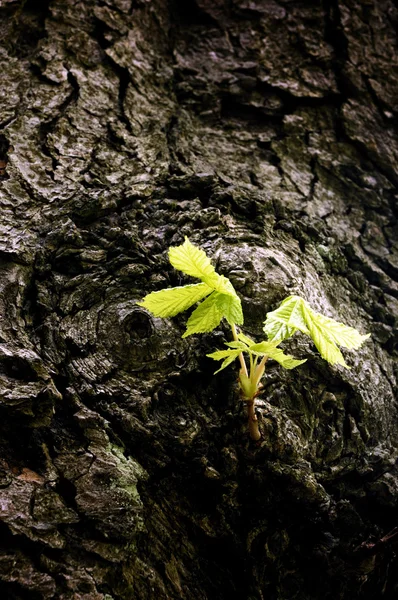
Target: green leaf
column 245, row 339
column 326, row 347
column 327, row 334
column 205, row 317
column 170, row 302
column 230, row 307
column 236, row 345
column 228, row 355
column 223, row 301
column 340, row 334
column 283, row 322
column 263, row 348
column 227, row 299
column 287, row 361
column 191, row 260
column 221, row 284
column 271, row 350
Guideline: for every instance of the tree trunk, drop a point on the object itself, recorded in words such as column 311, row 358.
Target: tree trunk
column 265, row 131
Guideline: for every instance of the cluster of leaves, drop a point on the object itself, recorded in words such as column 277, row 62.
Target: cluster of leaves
column 247, row 345
column 221, row 299
column 250, row 382
column 294, row 314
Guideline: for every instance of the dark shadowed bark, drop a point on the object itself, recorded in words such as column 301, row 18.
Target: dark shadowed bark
column 266, row 131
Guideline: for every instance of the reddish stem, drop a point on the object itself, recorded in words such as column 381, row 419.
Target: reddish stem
column 252, row 421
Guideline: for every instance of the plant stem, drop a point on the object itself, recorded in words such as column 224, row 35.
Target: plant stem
column 252, row 421
column 254, row 431
column 241, row 357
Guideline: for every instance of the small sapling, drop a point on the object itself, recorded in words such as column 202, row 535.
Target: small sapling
column 218, row 300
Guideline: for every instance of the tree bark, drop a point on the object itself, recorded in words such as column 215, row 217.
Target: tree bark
column 266, row 131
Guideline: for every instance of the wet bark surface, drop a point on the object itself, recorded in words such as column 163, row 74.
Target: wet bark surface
column 266, row 132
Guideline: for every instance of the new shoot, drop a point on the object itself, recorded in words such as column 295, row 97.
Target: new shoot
column 218, row 300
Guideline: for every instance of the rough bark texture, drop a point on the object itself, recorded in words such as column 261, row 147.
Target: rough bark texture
column 265, row 131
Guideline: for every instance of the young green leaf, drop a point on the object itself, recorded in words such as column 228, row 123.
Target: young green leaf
column 283, row 322
column 220, row 284
column 327, row 334
column 170, row 302
column 237, row 345
column 264, row 348
column 228, row 355
column 205, row 317
column 223, row 301
column 245, row 339
column 191, row 260
column 340, row 334
column 230, row 307
column 270, row 350
column 326, row 347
